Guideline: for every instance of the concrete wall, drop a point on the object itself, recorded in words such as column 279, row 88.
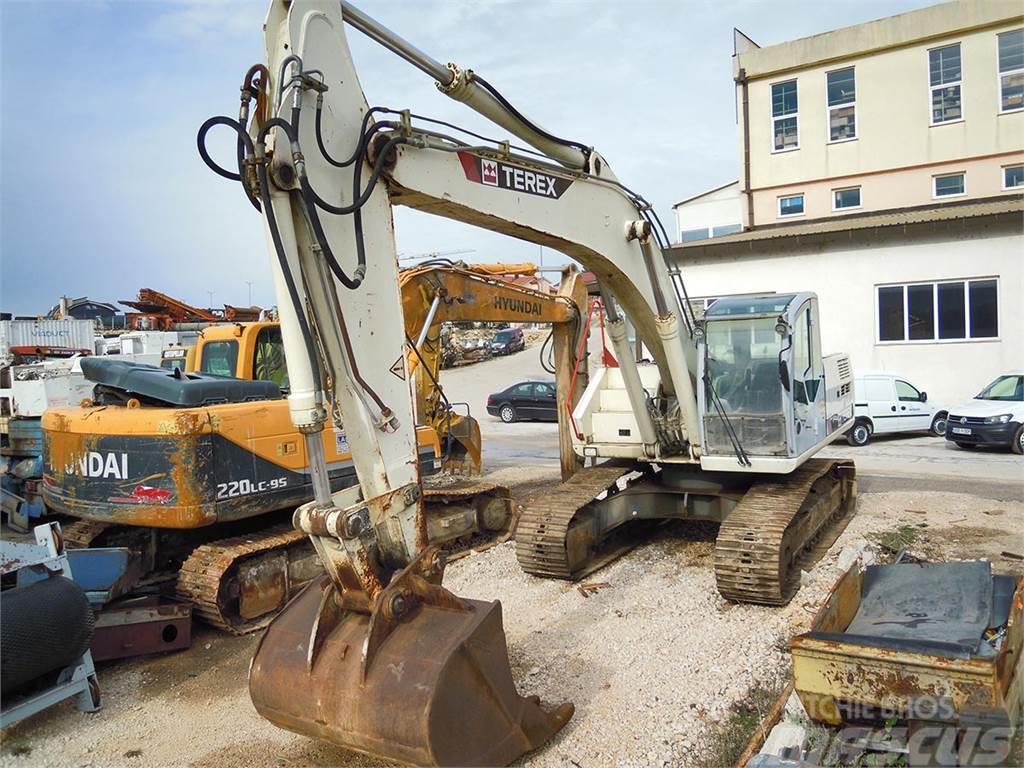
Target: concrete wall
column 897, row 150
column 844, row 273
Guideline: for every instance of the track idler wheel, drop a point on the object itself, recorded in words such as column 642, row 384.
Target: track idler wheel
column 423, row 679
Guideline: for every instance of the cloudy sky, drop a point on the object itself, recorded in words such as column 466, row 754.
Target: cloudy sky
column 102, row 191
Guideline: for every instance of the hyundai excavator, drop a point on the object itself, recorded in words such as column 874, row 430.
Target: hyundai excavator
column 724, row 423
column 197, row 472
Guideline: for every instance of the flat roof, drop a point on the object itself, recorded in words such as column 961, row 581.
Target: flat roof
column 910, row 28
column 878, row 219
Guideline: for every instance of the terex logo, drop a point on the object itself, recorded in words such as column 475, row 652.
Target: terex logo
column 494, row 173
column 105, row 465
column 489, row 172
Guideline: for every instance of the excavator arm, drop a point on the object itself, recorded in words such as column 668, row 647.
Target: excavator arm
column 434, row 294
column 393, row 664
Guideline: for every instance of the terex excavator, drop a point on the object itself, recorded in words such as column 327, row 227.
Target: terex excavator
column 377, row 655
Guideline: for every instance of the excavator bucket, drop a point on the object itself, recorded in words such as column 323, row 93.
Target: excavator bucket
column 423, row 679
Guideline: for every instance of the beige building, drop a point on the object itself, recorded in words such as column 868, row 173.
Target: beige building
column 882, row 167
column 923, row 107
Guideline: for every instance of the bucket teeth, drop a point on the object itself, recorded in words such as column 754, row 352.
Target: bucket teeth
column 438, row 689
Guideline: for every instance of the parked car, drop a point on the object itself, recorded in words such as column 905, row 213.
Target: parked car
column 508, row 340
column 525, row 400
column 885, row 403
column 994, row 417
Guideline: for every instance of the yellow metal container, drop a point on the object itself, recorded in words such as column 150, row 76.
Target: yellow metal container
column 829, row 674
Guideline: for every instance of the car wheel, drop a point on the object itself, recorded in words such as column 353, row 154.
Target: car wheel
column 965, row 446
column 507, row 414
column 1018, row 441
column 938, row 427
column 859, row 434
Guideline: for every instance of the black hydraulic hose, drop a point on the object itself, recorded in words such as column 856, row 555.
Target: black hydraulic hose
column 210, row 162
column 244, row 146
column 525, row 121
column 308, row 198
column 360, row 146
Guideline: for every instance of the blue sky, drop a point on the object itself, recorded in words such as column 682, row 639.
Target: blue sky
column 102, row 191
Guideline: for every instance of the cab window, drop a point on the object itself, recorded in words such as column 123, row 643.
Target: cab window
column 268, row 361
column 907, row 393
column 523, row 390
column 544, row 390
column 220, row 358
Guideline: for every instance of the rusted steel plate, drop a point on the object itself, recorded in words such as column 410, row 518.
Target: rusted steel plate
column 439, row 690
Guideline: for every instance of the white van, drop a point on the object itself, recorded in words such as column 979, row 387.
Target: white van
column 885, row 403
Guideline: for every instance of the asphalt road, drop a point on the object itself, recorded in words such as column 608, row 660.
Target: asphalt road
column 892, row 463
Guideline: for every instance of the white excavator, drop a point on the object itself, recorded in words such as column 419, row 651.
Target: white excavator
column 722, row 424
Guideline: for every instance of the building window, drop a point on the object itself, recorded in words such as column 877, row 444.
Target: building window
column 1011, row 71
column 1013, row 176
column 842, row 105
column 726, row 229
column 845, row 198
column 689, row 235
column 791, row 205
column 784, row 117
column 950, row 185
column 944, row 71
column 947, row 311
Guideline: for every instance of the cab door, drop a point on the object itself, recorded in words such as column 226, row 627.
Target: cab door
column 913, row 414
column 808, row 374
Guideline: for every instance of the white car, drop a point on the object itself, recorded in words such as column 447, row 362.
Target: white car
column 994, row 417
column 885, row 403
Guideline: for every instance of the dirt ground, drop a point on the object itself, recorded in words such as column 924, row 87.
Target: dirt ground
column 652, row 661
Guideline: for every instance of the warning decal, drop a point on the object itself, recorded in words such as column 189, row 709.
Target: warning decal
column 399, row 368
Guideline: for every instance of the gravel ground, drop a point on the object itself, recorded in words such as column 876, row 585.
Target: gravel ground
column 652, row 662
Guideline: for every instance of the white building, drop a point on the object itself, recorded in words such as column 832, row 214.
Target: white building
column 881, row 166
column 713, row 213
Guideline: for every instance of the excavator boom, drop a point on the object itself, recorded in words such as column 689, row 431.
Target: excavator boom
column 378, row 656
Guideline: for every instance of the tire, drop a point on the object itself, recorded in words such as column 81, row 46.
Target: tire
column 859, row 434
column 507, row 413
column 1017, row 446
column 938, row 427
column 965, row 446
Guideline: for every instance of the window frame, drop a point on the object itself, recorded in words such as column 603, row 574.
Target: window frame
column 856, row 207
column 778, row 206
column 967, row 338
column 829, row 108
column 959, row 83
column 937, row 176
column 1006, row 168
column 794, row 115
column 1000, row 75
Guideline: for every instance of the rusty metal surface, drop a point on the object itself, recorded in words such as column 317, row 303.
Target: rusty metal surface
column 435, row 688
column 139, row 626
column 238, row 584
column 833, row 677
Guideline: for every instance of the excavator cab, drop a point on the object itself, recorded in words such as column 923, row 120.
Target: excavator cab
column 763, row 384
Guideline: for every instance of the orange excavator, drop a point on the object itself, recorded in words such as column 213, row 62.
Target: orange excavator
column 199, row 469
